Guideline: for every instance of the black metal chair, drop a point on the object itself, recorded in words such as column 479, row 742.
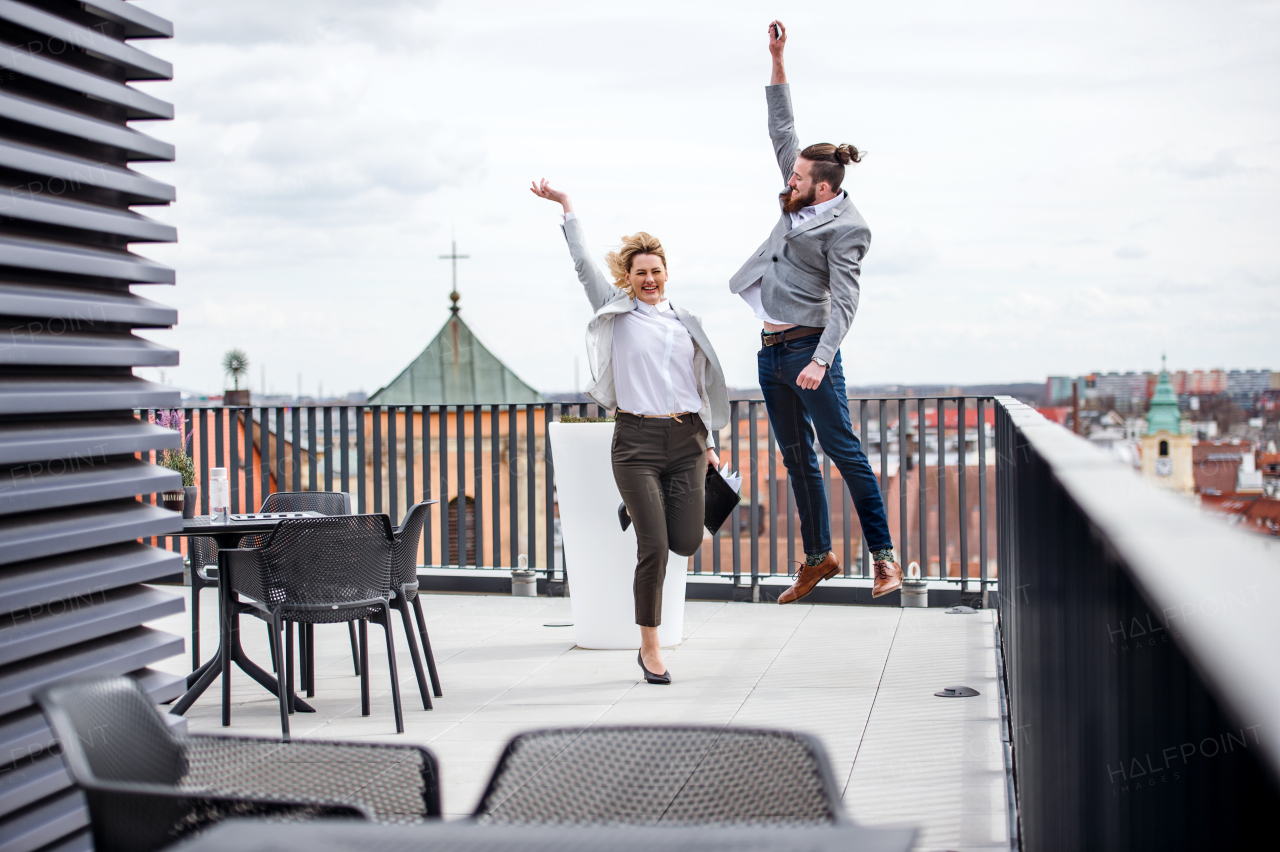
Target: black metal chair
column 326, row 503
column 320, row 571
column 404, row 583
column 656, row 775
column 204, row 565
column 147, row 787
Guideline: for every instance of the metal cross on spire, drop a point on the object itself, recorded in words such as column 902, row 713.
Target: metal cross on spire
column 455, row 257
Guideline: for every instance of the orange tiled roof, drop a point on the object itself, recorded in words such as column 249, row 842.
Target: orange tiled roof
column 1263, row 516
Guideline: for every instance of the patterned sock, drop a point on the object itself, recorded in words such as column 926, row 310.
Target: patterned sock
column 885, row 555
column 813, row 559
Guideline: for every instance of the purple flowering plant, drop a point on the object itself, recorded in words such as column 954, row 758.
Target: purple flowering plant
column 177, row 460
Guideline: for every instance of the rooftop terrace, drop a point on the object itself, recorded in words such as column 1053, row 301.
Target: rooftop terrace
column 859, row 678
column 1136, row 637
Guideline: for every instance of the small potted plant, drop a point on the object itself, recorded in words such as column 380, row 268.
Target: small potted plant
column 178, row 460
column 235, row 363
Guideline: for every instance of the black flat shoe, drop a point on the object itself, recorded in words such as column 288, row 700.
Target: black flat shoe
column 624, row 517
column 665, row 677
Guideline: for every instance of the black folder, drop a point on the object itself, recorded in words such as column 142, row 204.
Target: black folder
column 721, row 500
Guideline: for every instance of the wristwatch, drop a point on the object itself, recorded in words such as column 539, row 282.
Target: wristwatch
column 820, row 362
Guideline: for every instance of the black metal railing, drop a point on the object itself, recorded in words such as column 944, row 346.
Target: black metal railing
column 934, row 475
column 904, row 472
column 388, row 458
column 1137, row 641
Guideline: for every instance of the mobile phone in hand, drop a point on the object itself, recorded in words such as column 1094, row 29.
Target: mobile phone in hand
column 777, row 32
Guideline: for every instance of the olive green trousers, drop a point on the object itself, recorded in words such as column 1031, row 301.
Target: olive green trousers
column 660, row 466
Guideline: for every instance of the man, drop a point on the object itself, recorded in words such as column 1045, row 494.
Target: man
column 803, row 284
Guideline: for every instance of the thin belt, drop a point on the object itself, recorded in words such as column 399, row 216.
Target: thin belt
column 773, row 338
column 674, row 416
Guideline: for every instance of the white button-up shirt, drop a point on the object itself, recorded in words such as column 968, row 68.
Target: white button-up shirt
column 751, row 295
column 653, row 361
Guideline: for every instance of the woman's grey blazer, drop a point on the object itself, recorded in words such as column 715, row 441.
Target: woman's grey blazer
column 609, row 302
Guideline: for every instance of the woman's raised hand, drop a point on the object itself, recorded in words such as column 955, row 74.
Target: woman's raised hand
column 542, row 189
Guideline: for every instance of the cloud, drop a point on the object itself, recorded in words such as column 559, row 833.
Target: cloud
column 900, row 255
column 290, row 146
column 1130, row 252
column 389, row 24
column 1223, row 163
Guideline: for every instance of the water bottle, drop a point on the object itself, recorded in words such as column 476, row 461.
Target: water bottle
column 219, row 496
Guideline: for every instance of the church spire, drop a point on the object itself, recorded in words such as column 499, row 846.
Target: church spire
column 1164, row 414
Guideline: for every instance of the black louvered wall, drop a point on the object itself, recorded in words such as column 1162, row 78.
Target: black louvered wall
column 70, row 477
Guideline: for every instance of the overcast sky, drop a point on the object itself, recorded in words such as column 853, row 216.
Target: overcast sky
column 1051, row 188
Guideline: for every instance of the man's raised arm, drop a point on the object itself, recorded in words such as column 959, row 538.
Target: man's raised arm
column 776, row 46
column 781, row 124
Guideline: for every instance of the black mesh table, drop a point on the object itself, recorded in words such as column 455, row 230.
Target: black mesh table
column 340, row 835
column 228, row 536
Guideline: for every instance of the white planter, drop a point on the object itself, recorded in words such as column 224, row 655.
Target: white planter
column 600, row 556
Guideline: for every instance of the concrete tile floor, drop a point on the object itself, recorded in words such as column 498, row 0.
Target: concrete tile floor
column 859, row 678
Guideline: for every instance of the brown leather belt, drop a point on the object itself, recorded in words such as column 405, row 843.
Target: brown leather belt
column 773, row 338
column 673, row 416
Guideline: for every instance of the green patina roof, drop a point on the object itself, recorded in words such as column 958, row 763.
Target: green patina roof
column 1163, row 414
column 455, row 369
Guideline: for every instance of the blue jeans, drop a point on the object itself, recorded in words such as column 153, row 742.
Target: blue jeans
column 795, row 414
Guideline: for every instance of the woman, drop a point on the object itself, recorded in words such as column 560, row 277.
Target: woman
column 653, row 363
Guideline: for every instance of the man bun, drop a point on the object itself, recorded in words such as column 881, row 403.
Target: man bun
column 847, row 154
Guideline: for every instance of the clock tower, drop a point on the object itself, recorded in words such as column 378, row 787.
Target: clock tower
column 1166, row 451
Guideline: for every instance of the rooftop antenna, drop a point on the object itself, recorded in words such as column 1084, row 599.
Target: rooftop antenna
column 454, row 257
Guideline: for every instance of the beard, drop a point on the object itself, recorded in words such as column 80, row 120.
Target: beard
column 794, row 202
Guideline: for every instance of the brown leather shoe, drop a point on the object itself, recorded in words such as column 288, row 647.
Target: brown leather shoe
column 888, row 578
column 810, row 576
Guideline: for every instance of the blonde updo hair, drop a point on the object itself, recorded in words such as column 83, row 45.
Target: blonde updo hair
column 620, row 261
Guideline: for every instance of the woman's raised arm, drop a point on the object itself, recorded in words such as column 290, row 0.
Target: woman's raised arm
column 599, row 290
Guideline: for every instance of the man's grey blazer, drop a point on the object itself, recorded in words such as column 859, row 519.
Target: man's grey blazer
column 808, row 274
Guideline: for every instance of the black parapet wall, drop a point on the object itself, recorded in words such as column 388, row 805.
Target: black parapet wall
column 1138, row 641
column 77, row 483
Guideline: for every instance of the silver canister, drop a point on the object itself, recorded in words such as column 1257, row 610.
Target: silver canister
column 524, row 581
column 915, row 591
